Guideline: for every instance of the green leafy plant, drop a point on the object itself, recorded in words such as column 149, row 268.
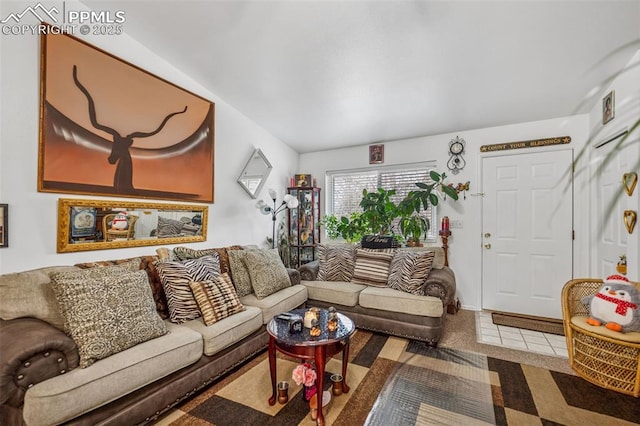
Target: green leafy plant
column 378, row 210
column 330, row 223
column 412, row 225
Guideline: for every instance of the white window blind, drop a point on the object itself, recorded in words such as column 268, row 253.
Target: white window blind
column 345, row 188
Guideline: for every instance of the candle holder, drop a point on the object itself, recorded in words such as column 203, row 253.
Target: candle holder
column 283, row 392
column 445, row 234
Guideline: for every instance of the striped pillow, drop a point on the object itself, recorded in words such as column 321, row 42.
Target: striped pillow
column 217, row 298
column 409, row 270
column 336, row 262
column 372, row 267
column 176, row 276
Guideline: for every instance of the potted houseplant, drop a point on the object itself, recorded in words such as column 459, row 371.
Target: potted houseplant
column 412, row 228
column 378, row 210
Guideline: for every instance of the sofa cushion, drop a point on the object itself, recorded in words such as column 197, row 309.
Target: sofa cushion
column 372, row 266
column 69, row 395
column 267, row 272
column 217, row 299
column 336, row 262
column 185, row 253
column 106, row 315
column 276, row 303
column 176, row 277
column 409, row 270
column 227, row 331
column 338, row 292
column 29, row 294
column 388, row 299
column 239, row 273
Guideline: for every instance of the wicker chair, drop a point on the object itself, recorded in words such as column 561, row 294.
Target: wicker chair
column 112, row 234
column 603, row 357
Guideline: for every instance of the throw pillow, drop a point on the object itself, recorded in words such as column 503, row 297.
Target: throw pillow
column 267, row 272
column 239, row 273
column 336, row 262
column 168, row 227
column 409, row 270
column 95, row 273
column 217, row 299
column 107, row 314
column 176, row 276
column 184, row 253
column 372, row 267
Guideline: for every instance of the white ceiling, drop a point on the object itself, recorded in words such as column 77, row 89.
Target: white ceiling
column 327, row 74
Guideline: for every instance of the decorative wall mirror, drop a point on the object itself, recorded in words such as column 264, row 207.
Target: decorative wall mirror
column 108, row 224
column 255, row 173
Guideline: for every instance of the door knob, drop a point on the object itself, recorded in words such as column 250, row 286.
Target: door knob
column 487, row 245
column 487, row 235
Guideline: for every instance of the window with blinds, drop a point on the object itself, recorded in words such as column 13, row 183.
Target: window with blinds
column 345, row 189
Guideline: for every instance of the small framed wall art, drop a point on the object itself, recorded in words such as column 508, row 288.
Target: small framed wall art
column 608, row 107
column 376, row 154
column 302, row 180
column 4, row 222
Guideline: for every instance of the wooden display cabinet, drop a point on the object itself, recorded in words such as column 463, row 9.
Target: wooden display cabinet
column 304, row 228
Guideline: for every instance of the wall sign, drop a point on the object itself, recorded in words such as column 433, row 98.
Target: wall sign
column 536, row 143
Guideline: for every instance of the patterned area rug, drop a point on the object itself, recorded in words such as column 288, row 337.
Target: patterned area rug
column 400, row 382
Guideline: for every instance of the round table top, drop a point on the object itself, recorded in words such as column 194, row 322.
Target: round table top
column 279, row 329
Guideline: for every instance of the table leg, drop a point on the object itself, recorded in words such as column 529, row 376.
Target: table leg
column 320, row 358
column 272, row 369
column 345, row 363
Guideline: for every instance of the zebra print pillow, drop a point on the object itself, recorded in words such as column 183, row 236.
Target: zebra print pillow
column 372, row 267
column 217, row 299
column 336, row 262
column 176, row 276
column 409, row 270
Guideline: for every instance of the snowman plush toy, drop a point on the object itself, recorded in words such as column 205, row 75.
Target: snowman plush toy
column 616, row 305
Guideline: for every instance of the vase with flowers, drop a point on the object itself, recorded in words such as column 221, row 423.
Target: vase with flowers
column 305, row 375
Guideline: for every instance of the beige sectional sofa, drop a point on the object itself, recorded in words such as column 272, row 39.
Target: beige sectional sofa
column 41, row 383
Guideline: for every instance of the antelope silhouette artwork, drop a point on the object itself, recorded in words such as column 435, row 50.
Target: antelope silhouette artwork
column 120, row 154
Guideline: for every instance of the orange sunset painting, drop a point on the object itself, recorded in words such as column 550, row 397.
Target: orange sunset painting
column 110, row 128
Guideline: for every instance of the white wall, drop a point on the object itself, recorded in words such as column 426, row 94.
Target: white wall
column 33, row 215
column 465, row 244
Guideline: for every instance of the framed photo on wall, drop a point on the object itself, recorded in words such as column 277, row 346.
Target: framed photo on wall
column 108, row 127
column 608, row 107
column 376, row 154
column 4, row 223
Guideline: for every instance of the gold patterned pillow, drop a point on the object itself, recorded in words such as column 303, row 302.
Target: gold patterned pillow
column 239, row 273
column 217, row 299
column 107, row 314
column 267, row 272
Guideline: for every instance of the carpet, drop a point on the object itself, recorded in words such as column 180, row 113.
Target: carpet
column 544, row 325
column 396, row 381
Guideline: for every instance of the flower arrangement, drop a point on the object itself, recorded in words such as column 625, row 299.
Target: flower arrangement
column 305, row 375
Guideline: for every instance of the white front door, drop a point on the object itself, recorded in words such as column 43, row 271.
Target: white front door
column 609, row 204
column 527, row 232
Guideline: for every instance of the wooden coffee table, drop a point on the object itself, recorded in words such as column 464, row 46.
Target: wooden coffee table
column 304, row 346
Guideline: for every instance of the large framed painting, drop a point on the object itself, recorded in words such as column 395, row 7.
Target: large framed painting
column 108, row 127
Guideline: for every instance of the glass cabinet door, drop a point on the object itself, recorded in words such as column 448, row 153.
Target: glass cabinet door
column 304, row 229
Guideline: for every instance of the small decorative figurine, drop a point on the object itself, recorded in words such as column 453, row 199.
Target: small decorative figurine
column 332, row 319
column 315, row 329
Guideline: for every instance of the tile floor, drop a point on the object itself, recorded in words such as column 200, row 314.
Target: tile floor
column 517, row 338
